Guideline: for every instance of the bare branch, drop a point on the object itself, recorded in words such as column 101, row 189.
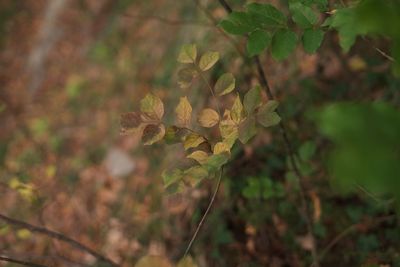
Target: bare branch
column 212, row 200
column 167, row 20
column 58, row 236
column 20, row 262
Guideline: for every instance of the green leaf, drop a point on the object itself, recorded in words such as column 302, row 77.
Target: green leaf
column 171, row 177
column 152, row 106
column 247, row 129
column 267, row 14
column 312, row 40
column 257, row 42
column 153, row 133
column 307, row 150
column 252, row 99
column 183, row 112
column 225, row 84
column 208, row 60
column 283, row 43
column 270, row 106
column 195, row 174
column 237, row 110
column 208, row 118
column 344, row 21
column 237, row 23
column 215, row 162
column 303, row 15
column 268, row 119
column 188, row 54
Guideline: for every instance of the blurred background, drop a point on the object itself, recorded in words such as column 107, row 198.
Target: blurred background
column 69, row 68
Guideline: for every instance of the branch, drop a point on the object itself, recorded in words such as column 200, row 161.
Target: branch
column 20, row 262
column 351, row 229
column 205, row 213
column 58, row 236
column 306, row 212
column 166, row 20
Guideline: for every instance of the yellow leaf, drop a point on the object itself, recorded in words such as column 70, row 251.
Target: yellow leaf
column 199, row 156
column 188, row 54
column 228, row 129
column 208, row 60
column 237, row 110
column 187, row 262
column 153, row 133
column 221, row 147
column 208, row 118
column 183, row 112
column 152, row 106
column 24, row 234
column 225, row 84
column 153, row 261
column 193, row 140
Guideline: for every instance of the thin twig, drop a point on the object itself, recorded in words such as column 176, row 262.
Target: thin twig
column 222, row 32
column 58, row 236
column 349, row 230
column 20, row 262
column 212, row 200
column 167, row 20
column 209, row 88
column 291, row 154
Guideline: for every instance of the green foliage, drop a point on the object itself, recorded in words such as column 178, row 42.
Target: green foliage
column 312, row 40
column 266, row 25
column 205, row 156
column 264, row 188
column 366, row 152
column 365, row 18
column 258, row 41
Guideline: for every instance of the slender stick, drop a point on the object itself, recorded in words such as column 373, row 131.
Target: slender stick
column 289, row 148
column 212, row 200
column 58, row 236
column 352, row 228
column 20, row 262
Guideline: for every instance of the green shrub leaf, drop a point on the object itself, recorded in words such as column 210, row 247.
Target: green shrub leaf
column 312, row 40
column 257, row 42
column 283, row 43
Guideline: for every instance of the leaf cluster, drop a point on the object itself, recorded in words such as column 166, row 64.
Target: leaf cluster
column 205, row 156
column 268, row 27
